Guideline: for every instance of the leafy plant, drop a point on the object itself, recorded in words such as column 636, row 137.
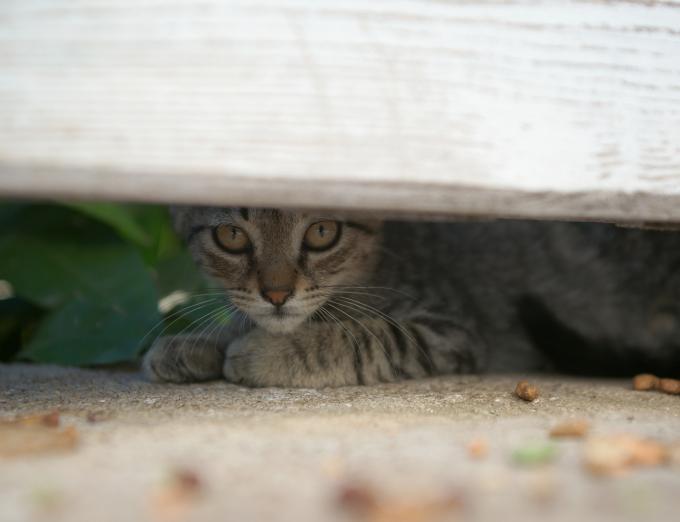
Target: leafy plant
column 86, row 280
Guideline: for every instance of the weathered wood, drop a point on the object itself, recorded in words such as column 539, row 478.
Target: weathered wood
column 541, row 109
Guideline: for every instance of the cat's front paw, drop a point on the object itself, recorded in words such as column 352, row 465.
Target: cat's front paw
column 258, row 359
column 243, row 361
column 183, row 359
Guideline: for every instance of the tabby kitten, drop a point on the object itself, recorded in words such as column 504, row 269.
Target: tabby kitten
column 327, row 301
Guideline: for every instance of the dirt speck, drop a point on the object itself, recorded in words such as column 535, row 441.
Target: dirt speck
column 96, row 416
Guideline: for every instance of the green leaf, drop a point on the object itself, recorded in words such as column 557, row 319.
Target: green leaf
column 533, row 454
column 16, row 316
column 100, row 295
column 9, row 212
column 104, row 324
column 51, row 256
column 86, row 331
column 119, row 217
column 164, row 242
column 147, row 226
column 180, row 273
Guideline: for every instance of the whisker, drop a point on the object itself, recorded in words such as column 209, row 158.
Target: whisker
column 379, row 313
column 209, row 331
column 400, row 258
column 378, row 340
column 369, row 294
column 244, row 322
column 191, row 308
column 205, row 294
column 207, row 318
column 348, row 301
column 356, row 320
column 361, row 287
column 201, row 320
column 330, row 315
column 361, row 307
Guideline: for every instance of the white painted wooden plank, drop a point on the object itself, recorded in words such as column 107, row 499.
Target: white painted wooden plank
column 564, row 108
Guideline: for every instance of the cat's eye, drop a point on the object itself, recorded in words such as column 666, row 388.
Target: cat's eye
column 232, row 239
column 322, row 235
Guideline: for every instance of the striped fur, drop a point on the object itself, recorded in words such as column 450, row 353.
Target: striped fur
column 393, row 301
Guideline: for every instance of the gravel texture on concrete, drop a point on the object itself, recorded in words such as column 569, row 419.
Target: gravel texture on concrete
column 279, row 454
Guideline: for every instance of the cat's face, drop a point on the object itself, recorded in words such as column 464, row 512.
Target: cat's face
column 279, row 267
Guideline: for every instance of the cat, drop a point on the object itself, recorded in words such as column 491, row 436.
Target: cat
column 327, row 301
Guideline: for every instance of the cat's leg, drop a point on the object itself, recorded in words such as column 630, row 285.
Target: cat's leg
column 350, row 353
column 188, row 358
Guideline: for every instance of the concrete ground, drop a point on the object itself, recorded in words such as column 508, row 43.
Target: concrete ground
column 216, row 451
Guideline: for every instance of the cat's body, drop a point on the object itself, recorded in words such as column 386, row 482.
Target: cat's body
column 385, row 301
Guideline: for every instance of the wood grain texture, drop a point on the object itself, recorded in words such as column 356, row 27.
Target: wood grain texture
column 540, row 109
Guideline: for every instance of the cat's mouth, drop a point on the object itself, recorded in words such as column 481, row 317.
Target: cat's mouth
column 280, row 320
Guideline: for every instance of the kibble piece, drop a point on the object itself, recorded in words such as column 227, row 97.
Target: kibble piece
column 671, row 386
column 49, row 420
column 573, row 428
column 366, row 505
column 478, row 449
column 645, row 382
column 526, row 391
column 614, row 455
column 606, row 456
column 648, row 452
column 19, row 440
column 674, row 454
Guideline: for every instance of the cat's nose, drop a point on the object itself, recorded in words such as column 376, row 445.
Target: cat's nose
column 276, row 297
